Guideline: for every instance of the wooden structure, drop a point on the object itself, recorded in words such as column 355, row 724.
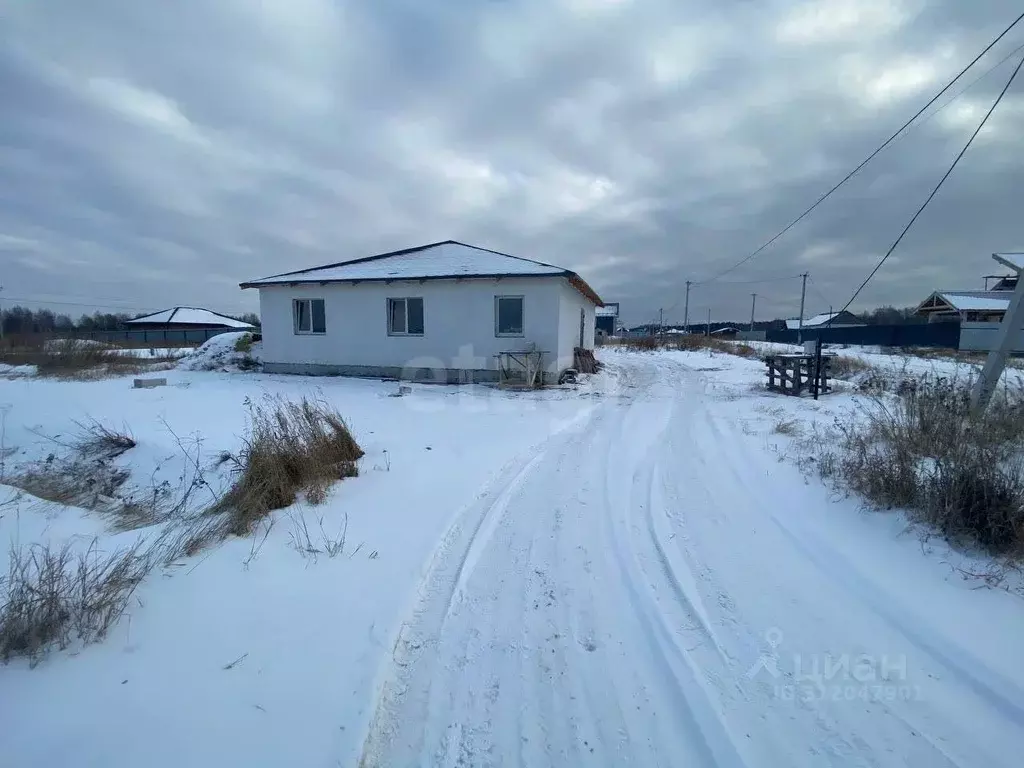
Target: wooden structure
column 799, row 373
column 584, row 361
column 523, row 368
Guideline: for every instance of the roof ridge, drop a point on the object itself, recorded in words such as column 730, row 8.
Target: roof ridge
column 362, row 259
column 404, row 251
column 509, row 255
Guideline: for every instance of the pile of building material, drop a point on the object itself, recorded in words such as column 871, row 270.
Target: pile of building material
column 584, row 360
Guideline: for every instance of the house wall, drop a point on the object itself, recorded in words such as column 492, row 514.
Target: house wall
column 570, row 304
column 459, row 328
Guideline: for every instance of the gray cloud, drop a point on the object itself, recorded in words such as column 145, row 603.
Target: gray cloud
column 155, row 154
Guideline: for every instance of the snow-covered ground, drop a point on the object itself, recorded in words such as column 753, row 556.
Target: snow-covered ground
column 895, row 364
column 623, row 573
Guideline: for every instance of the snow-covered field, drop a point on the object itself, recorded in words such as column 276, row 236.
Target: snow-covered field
column 896, row 365
column 624, row 573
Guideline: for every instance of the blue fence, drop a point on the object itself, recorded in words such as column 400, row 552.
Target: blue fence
column 945, row 335
column 154, row 337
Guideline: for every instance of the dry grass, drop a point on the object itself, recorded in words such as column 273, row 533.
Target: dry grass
column 75, row 358
column 97, row 439
column 243, row 344
column 925, row 451
column 291, row 448
column 691, row 341
column 52, row 597
column 846, row 367
column 789, row 427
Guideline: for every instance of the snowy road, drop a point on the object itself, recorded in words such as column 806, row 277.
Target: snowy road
column 651, row 587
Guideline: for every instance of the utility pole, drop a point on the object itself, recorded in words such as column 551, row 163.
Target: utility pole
column 753, row 303
column 1, row 318
column 661, row 323
column 708, row 331
column 1006, row 338
column 686, row 308
column 803, row 295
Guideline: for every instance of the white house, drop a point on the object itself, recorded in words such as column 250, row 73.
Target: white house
column 439, row 312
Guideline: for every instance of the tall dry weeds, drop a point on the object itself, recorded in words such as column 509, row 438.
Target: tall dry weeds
column 291, row 448
column 53, row 596
column 924, row 450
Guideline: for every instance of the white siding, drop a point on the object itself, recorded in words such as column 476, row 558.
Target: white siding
column 459, row 331
column 570, row 304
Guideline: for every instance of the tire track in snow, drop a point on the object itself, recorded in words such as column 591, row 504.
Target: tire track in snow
column 438, row 595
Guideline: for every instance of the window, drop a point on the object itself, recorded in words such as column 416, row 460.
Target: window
column 508, row 315
column 405, row 317
column 309, row 316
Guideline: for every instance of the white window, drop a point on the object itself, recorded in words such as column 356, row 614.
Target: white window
column 508, row 315
column 308, row 315
column 405, row 317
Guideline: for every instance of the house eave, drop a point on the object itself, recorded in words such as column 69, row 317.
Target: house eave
column 575, row 281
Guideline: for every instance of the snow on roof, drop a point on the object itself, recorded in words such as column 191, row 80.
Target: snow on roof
column 976, row 301
column 793, row 324
column 609, row 310
column 444, row 259
column 191, row 316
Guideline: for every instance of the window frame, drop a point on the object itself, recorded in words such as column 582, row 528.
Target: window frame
column 309, row 310
column 390, row 314
column 522, row 314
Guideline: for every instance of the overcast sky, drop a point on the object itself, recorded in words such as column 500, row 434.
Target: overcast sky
column 158, row 153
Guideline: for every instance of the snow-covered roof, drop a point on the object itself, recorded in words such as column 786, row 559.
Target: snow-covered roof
column 793, row 324
column 191, row 316
column 446, row 259
column 976, row 301
column 608, row 310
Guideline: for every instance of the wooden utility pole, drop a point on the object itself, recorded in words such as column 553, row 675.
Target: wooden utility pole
column 1006, row 339
column 803, row 295
column 753, row 303
column 661, row 323
column 707, row 332
column 686, row 308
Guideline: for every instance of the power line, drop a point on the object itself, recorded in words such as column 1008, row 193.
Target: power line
column 817, row 290
column 938, row 186
column 870, row 157
column 750, row 282
column 76, row 304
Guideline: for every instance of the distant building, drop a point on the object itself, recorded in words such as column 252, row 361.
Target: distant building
column 966, row 306
column 606, row 319
column 726, row 332
column 186, row 319
column 843, row 318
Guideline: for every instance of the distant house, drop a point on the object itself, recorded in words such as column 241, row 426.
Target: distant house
column 186, row 319
column 967, row 306
column 726, row 332
column 607, row 319
column 441, row 312
column 843, row 318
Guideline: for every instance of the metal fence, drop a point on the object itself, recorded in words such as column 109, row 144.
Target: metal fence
column 945, row 335
column 154, row 337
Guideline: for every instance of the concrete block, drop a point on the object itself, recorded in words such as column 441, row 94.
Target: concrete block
column 149, row 383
